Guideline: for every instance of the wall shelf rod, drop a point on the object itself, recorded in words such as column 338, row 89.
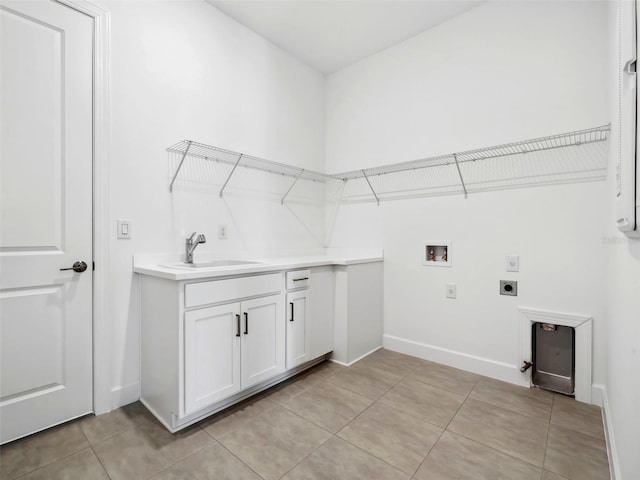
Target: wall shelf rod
column 464, row 187
column 230, row 174
column 291, row 187
column 372, row 190
column 184, row 155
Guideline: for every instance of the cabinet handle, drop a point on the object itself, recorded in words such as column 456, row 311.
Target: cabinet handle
column 246, row 323
column 291, row 303
column 238, row 324
column 300, row 279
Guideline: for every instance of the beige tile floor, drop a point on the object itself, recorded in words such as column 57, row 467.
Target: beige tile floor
column 389, row 416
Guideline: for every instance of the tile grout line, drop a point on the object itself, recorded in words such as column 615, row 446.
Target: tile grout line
column 322, row 427
column 184, row 458
column 372, row 455
column 104, row 467
column 198, row 449
column 360, row 393
column 293, row 413
column 493, row 448
column 22, row 475
column 125, row 430
column 371, row 404
column 597, row 437
column 389, row 406
column 402, row 377
column 475, row 382
column 546, row 441
column 519, row 411
column 240, row 460
column 72, row 422
column 445, row 428
column 335, row 435
column 306, row 456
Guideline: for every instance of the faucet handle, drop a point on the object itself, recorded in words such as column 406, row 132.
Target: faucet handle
column 190, row 239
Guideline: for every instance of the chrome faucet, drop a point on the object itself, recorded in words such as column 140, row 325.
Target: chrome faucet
column 190, row 246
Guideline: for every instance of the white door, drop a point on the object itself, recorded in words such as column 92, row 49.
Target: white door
column 298, row 338
column 211, row 355
column 45, row 216
column 263, row 334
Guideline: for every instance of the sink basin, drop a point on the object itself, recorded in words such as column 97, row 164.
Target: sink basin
column 211, row 264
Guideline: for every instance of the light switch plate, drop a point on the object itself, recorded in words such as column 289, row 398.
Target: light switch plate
column 451, row 290
column 124, row 229
column 512, row 263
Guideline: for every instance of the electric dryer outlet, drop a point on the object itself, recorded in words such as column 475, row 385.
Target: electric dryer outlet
column 509, row 287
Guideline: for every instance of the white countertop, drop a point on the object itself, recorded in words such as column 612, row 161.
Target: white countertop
column 156, row 265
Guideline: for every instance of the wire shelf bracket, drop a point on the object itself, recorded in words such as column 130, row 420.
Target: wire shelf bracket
column 372, row 190
column 295, row 180
column 230, row 174
column 184, row 155
column 464, row 187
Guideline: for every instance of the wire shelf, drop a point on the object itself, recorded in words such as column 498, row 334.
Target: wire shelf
column 564, row 158
column 189, row 148
column 208, row 152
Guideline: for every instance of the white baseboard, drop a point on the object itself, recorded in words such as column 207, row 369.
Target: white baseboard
column 612, row 452
column 356, row 360
column 124, row 395
column 481, row 366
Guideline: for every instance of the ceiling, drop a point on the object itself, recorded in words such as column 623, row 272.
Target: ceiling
column 328, row 35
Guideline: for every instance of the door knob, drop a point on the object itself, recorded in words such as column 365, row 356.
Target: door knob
column 77, row 267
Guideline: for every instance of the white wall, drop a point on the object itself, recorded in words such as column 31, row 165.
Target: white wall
column 502, row 72
column 623, row 312
column 182, row 70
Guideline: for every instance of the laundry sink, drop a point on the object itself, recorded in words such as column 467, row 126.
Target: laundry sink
column 211, row 264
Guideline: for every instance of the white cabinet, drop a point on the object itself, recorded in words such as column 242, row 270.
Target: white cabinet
column 207, row 344
column 310, row 314
column 298, row 333
column 231, row 347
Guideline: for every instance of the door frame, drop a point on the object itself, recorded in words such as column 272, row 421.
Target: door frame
column 101, row 120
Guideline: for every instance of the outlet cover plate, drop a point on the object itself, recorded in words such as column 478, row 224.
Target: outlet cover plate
column 509, row 287
column 512, row 263
column 451, row 290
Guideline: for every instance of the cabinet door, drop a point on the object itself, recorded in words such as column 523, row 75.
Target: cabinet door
column 211, row 355
column 298, row 334
column 262, row 339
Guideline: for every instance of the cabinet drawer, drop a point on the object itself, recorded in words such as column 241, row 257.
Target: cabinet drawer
column 216, row 291
column 298, row 279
